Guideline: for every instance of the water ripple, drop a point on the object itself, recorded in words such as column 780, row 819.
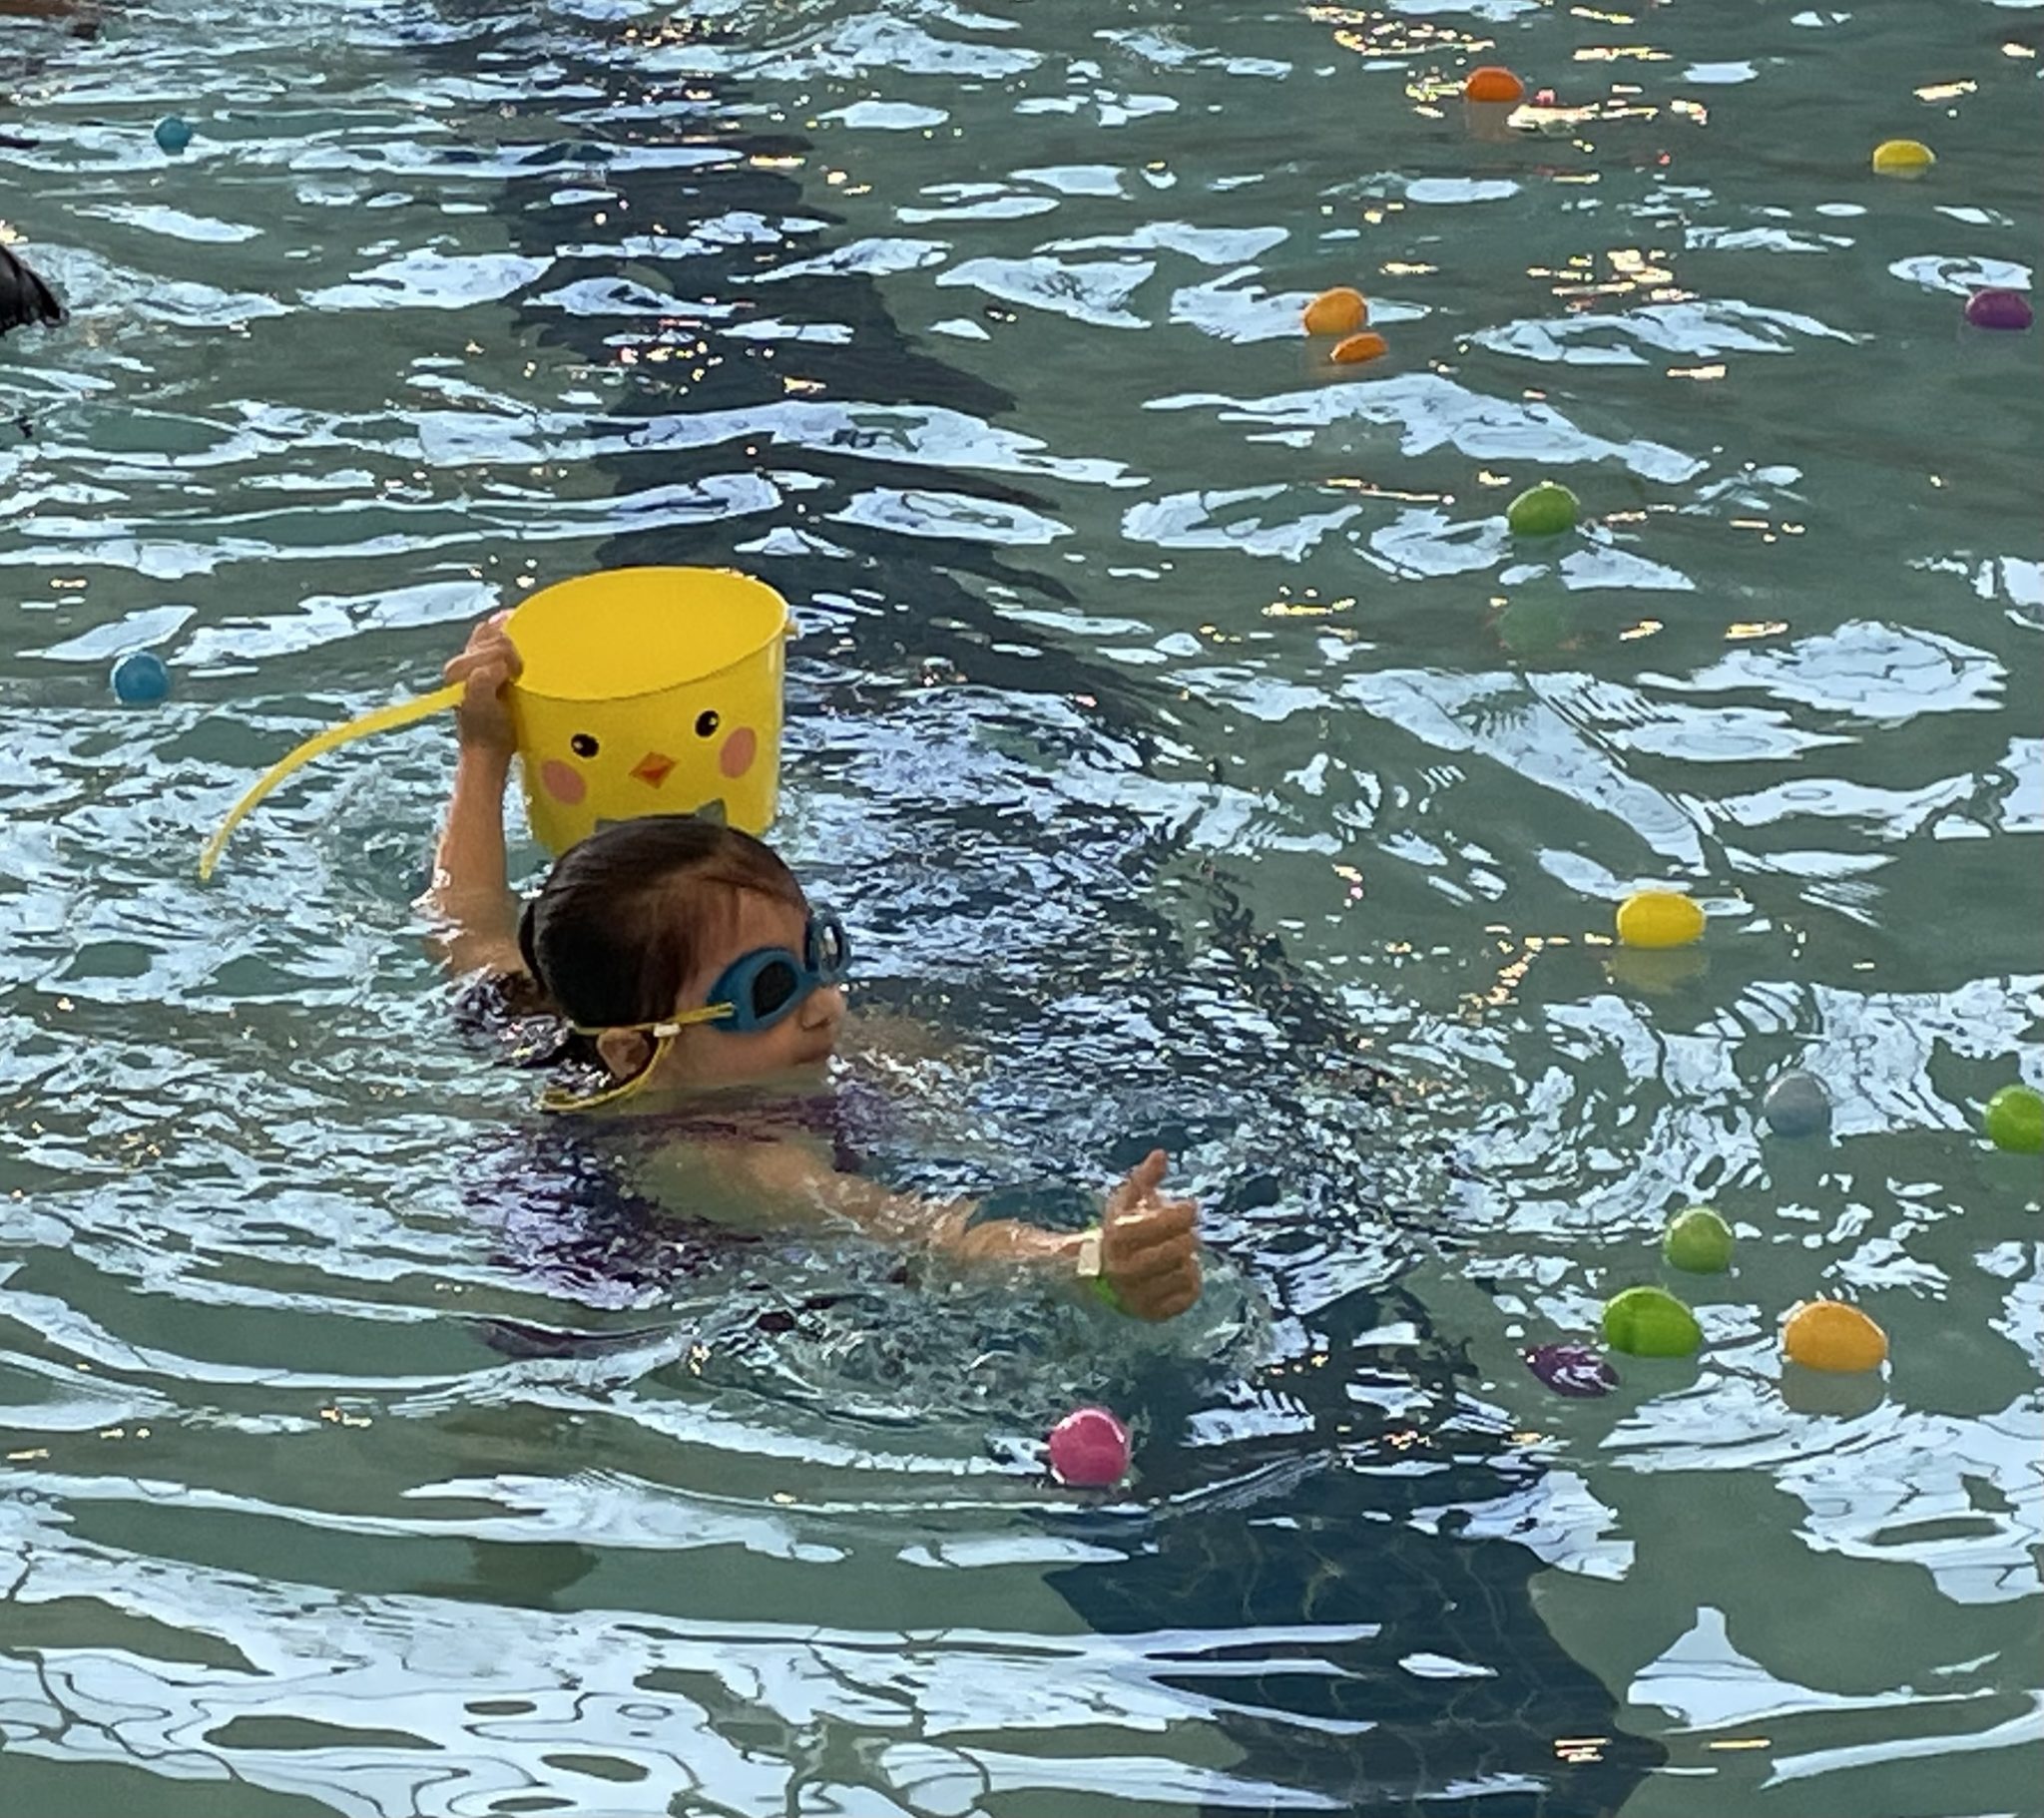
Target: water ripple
column 1195, row 750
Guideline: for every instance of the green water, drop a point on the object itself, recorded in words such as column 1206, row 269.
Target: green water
column 1135, row 634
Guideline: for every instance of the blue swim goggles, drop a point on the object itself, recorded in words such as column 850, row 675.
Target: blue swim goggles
column 757, row 988
column 754, row 992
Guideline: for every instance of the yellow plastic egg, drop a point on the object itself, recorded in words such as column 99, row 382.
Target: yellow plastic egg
column 1829, row 1335
column 1902, row 158
column 1659, row 918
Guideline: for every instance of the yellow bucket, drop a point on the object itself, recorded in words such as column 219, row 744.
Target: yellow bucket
column 645, row 691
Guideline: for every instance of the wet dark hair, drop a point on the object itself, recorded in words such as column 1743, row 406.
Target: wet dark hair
column 616, row 929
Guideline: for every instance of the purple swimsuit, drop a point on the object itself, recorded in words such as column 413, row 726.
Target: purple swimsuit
column 560, row 1194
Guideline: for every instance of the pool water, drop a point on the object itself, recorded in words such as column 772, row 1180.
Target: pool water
column 1198, row 760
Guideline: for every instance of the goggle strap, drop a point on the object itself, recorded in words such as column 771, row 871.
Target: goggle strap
column 665, row 1031
column 555, row 1100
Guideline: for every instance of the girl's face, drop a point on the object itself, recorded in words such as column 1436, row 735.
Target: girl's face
column 708, row 1053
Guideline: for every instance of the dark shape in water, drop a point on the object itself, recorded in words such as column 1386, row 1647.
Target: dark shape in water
column 25, row 300
column 1571, row 1369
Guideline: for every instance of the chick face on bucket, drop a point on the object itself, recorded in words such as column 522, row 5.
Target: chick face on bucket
column 647, row 692
column 688, row 750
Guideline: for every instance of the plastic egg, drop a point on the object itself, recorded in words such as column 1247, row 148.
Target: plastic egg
column 2008, row 309
column 1493, row 82
column 173, row 134
column 1337, row 312
column 1546, row 509
column 1833, row 1394
column 1829, row 1335
column 1359, row 347
column 1697, row 1241
column 1797, row 1105
column 1573, row 1370
column 1902, row 158
column 140, row 678
column 2014, row 1120
column 1088, row 1449
column 1651, row 1322
column 1660, row 918
column 1654, row 974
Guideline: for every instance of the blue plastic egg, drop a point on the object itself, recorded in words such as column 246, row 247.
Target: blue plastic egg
column 140, row 678
column 172, row 133
column 1797, row 1105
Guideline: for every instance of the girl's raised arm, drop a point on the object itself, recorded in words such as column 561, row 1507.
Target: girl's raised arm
column 470, row 896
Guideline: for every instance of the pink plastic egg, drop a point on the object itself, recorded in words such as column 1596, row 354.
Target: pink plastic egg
column 1088, row 1449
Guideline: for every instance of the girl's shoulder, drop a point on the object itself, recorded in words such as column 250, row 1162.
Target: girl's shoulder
column 508, row 1013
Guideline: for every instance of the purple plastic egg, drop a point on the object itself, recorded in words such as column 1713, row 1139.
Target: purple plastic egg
column 1999, row 309
column 1572, row 1369
column 1088, row 1449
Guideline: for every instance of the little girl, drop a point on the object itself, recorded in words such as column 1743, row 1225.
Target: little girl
column 687, row 956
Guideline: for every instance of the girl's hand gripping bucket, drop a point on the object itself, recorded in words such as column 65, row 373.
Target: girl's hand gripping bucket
column 646, row 690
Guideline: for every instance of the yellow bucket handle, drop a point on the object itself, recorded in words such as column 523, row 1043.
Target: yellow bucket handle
column 383, row 720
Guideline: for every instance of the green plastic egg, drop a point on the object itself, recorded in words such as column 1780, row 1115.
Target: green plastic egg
column 1545, row 509
column 1651, row 1322
column 2014, row 1120
column 1697, row 1241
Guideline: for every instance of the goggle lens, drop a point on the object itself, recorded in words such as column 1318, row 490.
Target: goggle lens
column 773, row 989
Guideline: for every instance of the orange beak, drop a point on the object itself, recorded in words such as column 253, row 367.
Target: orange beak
column 652, row 769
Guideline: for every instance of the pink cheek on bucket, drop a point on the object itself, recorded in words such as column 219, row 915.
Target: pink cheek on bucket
column 739, row 752
column 563, row 782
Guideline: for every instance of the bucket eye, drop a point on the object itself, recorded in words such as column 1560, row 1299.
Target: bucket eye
column 583, row 744
column 706, row 723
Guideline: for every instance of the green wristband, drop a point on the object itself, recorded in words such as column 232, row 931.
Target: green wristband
column 1089, row 1271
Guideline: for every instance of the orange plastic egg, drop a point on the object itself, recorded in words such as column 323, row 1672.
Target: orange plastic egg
column 1829, row 1335
column 1337, row 312
column 1493, row 82
column 1357, row 348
